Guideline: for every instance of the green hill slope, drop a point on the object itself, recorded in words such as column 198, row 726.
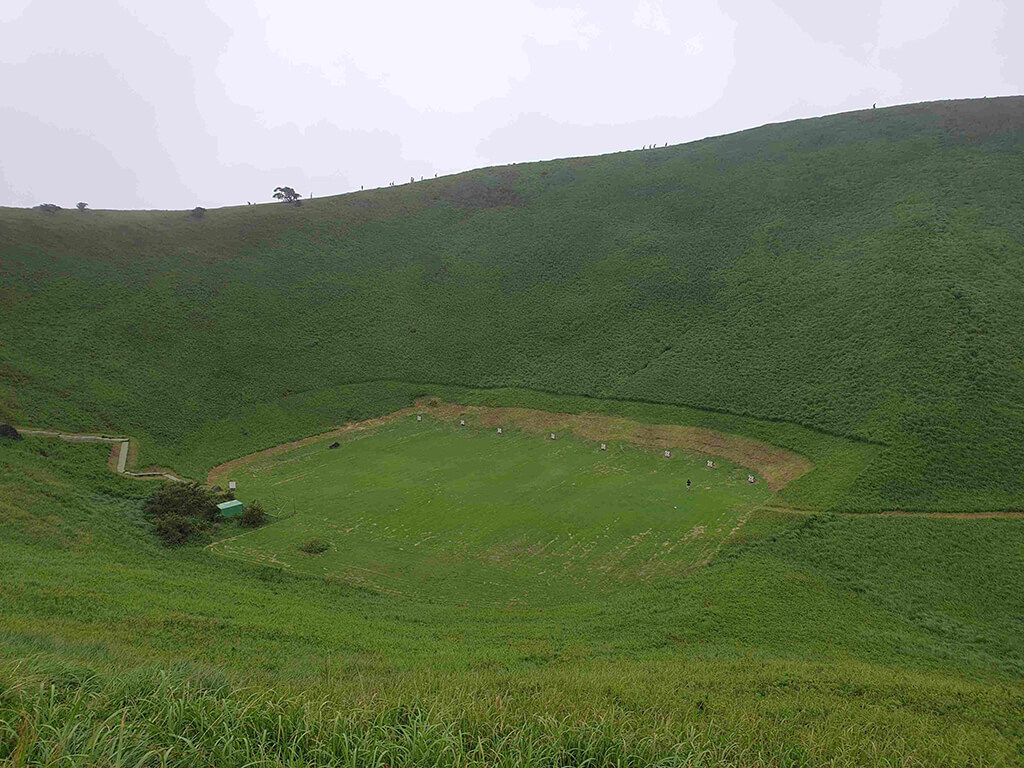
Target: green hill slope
column 810, row 639
column 860, row 274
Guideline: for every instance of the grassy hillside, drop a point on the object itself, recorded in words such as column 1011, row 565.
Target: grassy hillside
column 860, row 274
column 809, row 640
column 848, row 289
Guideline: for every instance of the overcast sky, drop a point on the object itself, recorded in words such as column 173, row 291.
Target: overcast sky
column 172, row 104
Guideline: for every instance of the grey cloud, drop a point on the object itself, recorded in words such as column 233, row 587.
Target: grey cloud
column 43, row 163
column 79, row 129
column 174, row 105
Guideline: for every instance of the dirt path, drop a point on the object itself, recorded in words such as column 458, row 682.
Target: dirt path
column 778, row 466
column 120, row 446
column 991, row 515
column 955, row 515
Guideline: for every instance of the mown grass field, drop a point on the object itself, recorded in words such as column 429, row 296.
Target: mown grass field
column 448, row 513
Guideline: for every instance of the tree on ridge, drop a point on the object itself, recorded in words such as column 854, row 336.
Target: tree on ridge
column 287, row 195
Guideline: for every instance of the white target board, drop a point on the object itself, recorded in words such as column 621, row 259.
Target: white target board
column 604, row 447
column 499, row 430
column 232, row 485
column 552, row 435
column 419, row 418
column 668, row 454
column 711, row 464
column 462, row 422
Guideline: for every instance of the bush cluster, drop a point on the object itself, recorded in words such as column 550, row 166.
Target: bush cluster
column 254, row 515
column 314, row 546
column 182, row 512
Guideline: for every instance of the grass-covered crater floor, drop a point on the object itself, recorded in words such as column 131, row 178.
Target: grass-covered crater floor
column 464, row 514
column 808, row 638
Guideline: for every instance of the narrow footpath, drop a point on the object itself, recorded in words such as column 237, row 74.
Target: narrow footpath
column 120, row 444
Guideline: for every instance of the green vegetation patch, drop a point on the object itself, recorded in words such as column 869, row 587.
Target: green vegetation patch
column 808, row 639
column 860, row 274
column 440, row 511
column 849, row 288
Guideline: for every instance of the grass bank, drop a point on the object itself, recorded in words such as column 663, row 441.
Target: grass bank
column 808, row 640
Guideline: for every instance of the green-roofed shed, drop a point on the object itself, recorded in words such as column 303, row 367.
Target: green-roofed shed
column 231, row 508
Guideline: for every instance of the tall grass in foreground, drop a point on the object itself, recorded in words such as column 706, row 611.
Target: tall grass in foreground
column 157, row 719
column 809, row 640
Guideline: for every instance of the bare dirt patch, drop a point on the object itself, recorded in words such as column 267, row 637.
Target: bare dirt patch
column 958, row 515
column 482, row 190
column 993, row 514
column 112, row 458
column 778, row 466
column 154, row 470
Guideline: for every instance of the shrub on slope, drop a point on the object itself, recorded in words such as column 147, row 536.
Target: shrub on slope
column 182, row 511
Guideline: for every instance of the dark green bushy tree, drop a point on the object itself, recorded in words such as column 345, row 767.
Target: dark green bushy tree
column 254, row 515
column 181, row 510
column 175, row 530
column 314, row 546
column 185, row 499
column 286, row 195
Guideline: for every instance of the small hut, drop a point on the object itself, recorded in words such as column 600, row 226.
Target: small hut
column 233, row 508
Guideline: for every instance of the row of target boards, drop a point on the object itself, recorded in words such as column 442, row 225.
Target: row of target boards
column 604, row 446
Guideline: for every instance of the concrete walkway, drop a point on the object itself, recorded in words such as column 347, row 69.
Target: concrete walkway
column 122, row 457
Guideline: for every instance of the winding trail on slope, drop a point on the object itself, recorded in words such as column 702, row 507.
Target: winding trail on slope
column 119, row 445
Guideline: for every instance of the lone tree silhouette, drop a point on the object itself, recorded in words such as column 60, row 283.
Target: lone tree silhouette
column 286, row 194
